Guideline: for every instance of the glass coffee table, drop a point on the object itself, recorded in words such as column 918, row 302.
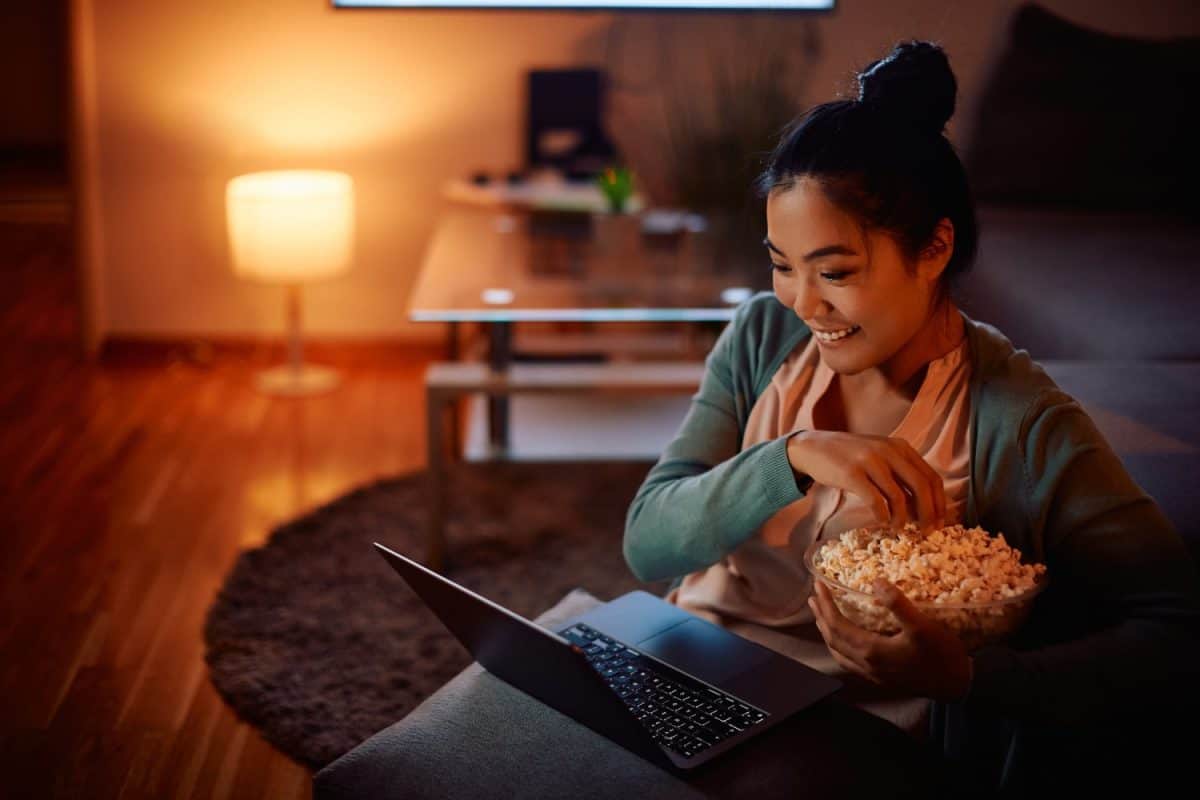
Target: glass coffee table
column 499, row 267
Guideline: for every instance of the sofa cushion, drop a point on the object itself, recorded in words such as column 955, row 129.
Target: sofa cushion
column 1073, row 116
column 1095, row 285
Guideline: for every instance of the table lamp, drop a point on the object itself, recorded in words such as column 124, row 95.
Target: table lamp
column 291, row 227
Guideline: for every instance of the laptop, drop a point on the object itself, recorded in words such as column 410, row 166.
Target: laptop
column 664, row 684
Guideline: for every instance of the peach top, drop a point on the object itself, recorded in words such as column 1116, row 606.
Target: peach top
column 764, row 580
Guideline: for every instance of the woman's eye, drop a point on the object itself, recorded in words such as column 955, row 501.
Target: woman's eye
column 829, row 276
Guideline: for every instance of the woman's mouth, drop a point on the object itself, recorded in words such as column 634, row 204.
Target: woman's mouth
column 834, row 337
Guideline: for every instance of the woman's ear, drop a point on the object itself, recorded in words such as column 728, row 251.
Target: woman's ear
column 936, row 254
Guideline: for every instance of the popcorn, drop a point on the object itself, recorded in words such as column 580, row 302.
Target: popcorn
column 952, row 574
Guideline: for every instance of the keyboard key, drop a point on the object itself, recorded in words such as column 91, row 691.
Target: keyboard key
column 575, row 637
column 679, row 746
column 723, row 729
column 685, row 746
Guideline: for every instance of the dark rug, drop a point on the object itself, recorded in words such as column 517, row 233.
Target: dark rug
column 317, row 643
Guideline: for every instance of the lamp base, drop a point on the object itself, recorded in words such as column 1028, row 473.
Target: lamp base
column 291, row 381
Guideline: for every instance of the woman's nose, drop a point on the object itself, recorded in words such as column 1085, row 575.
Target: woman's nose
column 807, row 302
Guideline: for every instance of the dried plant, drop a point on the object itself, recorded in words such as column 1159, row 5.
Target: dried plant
column 719, row 118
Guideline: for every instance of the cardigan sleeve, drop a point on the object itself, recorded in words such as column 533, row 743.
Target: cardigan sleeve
column 1130, row 579
column 705, row 496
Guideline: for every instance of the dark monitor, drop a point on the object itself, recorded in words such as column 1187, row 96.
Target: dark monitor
column 565, row 122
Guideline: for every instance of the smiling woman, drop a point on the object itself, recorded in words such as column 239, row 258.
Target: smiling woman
column 857, row 393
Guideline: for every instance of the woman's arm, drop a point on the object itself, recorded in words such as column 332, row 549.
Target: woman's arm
column 1127, row 575
column 704, row 498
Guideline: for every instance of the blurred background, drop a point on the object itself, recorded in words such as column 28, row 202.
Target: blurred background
column 140, row 450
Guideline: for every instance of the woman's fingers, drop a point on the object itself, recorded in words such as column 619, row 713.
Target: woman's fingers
column 853, row 667
column 933, row 479
column 837, row 647
column 841, row 636
column 852, row 640
column 870, row 494
column 882, row 476
column 919, row 483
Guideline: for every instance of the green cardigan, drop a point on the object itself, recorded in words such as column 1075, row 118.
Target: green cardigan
column 1119, row 624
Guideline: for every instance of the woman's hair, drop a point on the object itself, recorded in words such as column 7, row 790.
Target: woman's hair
column 883, row 157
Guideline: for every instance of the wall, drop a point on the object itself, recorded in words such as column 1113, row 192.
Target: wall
column 189, row 94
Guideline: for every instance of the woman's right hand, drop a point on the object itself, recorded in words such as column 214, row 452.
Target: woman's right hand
column 885, row 472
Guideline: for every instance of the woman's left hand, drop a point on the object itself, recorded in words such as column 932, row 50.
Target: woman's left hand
column 924, row 658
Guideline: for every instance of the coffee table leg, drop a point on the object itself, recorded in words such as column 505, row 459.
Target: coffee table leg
column 499, row 357
column 454, row 353
column 435, row 410
column 453, row 340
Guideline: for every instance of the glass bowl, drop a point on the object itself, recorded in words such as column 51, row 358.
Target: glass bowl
column 976, row 624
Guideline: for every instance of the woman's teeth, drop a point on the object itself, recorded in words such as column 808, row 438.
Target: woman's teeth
column 833, row 337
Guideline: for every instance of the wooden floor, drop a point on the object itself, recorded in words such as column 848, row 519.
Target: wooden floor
column 127, row 490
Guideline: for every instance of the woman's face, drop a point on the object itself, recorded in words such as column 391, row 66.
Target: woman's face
column 838, row 278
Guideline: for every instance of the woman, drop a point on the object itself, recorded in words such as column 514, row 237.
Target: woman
column 858, row 392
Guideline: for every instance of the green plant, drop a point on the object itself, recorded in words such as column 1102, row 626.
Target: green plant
column 617, row 185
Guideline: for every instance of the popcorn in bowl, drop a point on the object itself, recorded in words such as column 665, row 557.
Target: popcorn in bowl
column 971, row 582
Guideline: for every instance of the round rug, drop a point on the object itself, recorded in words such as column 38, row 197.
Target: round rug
column 315, row 641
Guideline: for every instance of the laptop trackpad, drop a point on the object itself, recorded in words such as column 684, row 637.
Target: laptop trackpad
column 704, row 650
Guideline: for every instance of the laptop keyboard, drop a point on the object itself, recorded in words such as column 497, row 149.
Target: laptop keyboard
column 681, row 714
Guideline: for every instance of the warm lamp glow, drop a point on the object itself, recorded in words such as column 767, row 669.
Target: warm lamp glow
column 290, row 226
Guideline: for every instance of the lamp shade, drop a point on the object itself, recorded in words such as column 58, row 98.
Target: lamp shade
column 290, row 226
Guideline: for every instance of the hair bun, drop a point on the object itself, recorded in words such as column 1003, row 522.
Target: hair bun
column 913, row 82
